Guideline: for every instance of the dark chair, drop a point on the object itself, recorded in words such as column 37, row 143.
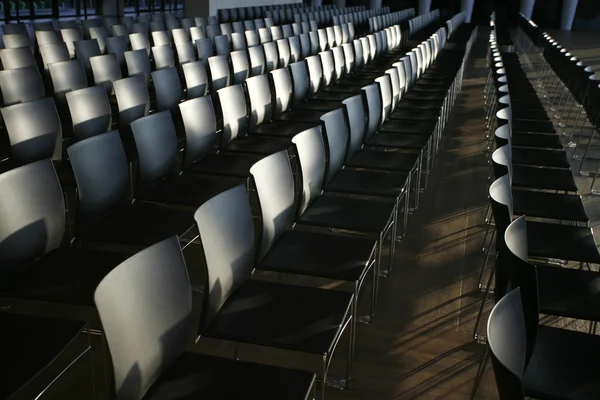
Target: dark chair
column 163, row 57
column 222, row 45
column 106, row 70
column 256, row 54
column 132, row 99
column 271, row 56
column 86, row 49
column 185, row 52
column 166, row 291
column 205, row 48
column 138, row 63
column 90, row 111
column 53, row 53
column 219, row 72
column 104, row 214
column 284, row 51
column 168, row 89
column 118, row 46
column 70, row 36
column 196, row 79
column 139, row 41
column 230, row 258
column 101, row 34
column 538, row 361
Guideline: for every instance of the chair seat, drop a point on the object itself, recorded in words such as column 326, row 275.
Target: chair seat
column 536, row 140
column 140, row 224
column 564, row 242
column 384, row 160
column 419, row 104
column 258, row 145
column 543, row 178
column 522, row 125
column 528, row 113
column 29, row 344
column 321, row 255
column 408, row 127
column 334, row 96
column 561, row 367
column 66, row 275
column 200, row 376
column 282, row 128
column 188, row 190
column 227, row 164
column 442, row 88
column 371, row 216
column 540, row 157
column 321, row 105
column 567, row 292
column 415, row 114
column 566, row 207
column 417, row 142
column 291, row 317
column 301, row 115
column 423, row 95
column 369, row 183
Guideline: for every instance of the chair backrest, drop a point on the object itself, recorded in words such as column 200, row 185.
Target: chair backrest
column 238, row 27
column 271, row 56
column 197, row 32
column 117, row 45
column 17, row 40
column 502, row 206
column 259, row 94
column 315, row 73
column 53, row 53
column 168, row 89
column 21, row 85
column 205, row 48
column 385, row 88
column 132, row 98
column 156, row 143
column 299, row 72
column 106, row 70
column 139, row 41
column 276, row 33
column 138, row 63
column 120, row 31
column 256, row 54
column 295, row 49
column 161, row 38
column 47, row 37
column 275, row 187
column 185, row 52
column 252, row 38
column 507, row 339
column 235, row 113
column 219, row 72
column 34, row 131
column 222, row 44
column 238, row 41
column 392, row 73
column 283, row 48
column 32, row 217
column 322, row 35
column 502, row 161
column 282, row 85
column 90, row 111
column 373, row 100
column 180, row 35
column 85, row 49
column 70, row 36
column 145, row 306
column 311, row 155
column 101, row 34
column 20, row 57
column 265, row 35
column 287, row 31
column 240, row 66
column 196, row 79
column 327, row 67
column 305, row 45
column 102, row 174
column 229, row 250
column 331, row 42
column 200, row 123
column 359, row 58
column 355, row 112
column 336, row 134
column 163, row 57
column 66, row 76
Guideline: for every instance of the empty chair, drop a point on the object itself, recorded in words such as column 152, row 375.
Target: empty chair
column 219, row 72
column 17, row 58
column 138, row 63
column 118, row 46
column 283, row 49
column 305, row 46
column 197, row 33
column 205, row 48
column 34, row 131
column 331, row 39
column 168, row 288
column 47, row 37
column 53, row 53
column 180, row 35
column 106, row 70
column 185, row 52
column 21, row 85
column 287, row 31
column 196, row 79
column 120, row 31
column 161, row 38
column 85, row 49
column 70, row 36
column 87, row 24
column 252, row 38
column 132, row 99
column 226, row 29
column 295, row 49
column 238, row 41
column 90, row 112
column 259, row 23
column 315, row 46
column 101, row 34
column 271, row 56
column 212, row 31
column 168, row 89
column 265, row 35
column 15, row 41
column 157, row 26
column 240, row 66
column 104, row 214
column 249, row 25
column 43, row 26
column 276, row 33
column 222, row 45
column 67, row 24
column 139, row 41
column 66, row 76
column 258, row 62
column 163, row 57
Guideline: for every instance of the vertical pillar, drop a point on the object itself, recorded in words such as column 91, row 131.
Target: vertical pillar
column 568, row 14
column 527, row 8
column 467, row 7
column 424, row 6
